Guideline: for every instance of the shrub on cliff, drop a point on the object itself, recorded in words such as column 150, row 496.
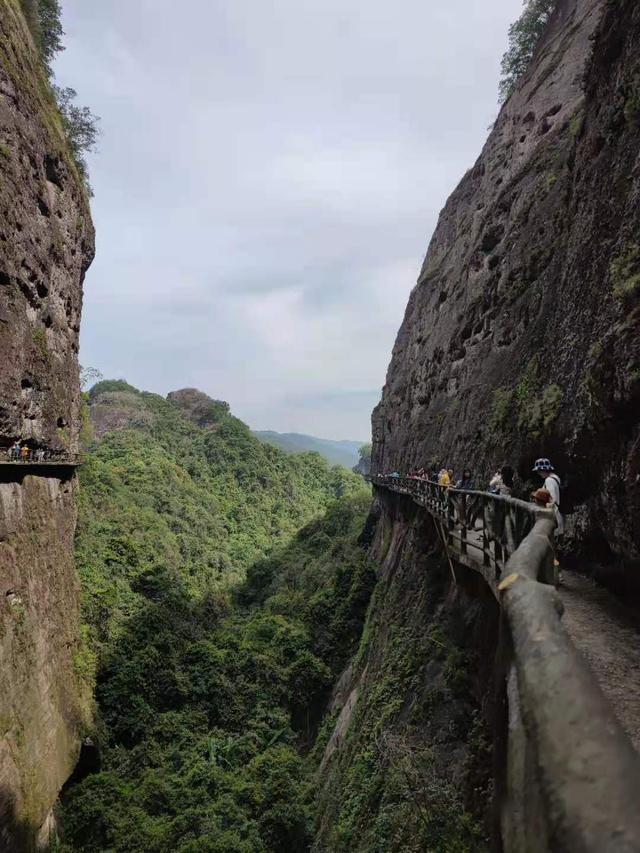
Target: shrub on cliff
column 44, row 19
column 80, row 124
column 524, row 36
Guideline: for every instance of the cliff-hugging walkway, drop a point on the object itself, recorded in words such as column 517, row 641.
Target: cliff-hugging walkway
column 571, row 679
column 608, row 636
column 483, row 534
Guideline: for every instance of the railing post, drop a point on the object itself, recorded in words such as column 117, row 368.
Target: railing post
column 463, row 527
column 486, row 546
column 451, row 516
column 499, row 557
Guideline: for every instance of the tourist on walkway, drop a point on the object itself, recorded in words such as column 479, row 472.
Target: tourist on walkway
column 15, row 451
column 541, row 497
column 552, row 483
column 24, row 453
column 502, row 481
column 545, row 470
column 466, row 482
column 444, row 478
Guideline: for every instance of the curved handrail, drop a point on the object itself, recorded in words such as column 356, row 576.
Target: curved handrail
column 483, row 524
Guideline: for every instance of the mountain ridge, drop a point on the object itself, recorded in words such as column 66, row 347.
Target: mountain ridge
column 337, row 452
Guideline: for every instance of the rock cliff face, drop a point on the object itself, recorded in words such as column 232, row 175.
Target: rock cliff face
column 46, row 245
column 408, row 765
column 520, row 338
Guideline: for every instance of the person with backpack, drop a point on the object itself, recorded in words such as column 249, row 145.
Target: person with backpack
column 552, row 484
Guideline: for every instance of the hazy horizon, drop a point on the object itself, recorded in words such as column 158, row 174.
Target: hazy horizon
column 267, row 182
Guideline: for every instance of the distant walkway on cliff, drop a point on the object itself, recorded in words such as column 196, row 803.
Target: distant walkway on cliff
column 38, row 457
column 52, row 464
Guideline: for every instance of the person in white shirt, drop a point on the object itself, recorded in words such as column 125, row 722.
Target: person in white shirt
column 545, row 470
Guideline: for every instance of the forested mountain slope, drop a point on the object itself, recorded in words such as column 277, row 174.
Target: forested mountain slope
column 208, row 695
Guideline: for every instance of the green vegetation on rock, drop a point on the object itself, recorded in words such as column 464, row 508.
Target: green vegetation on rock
column 390, row 785
column 625, row 273
column 533, row 410
column 79, row 124
column 524, row 36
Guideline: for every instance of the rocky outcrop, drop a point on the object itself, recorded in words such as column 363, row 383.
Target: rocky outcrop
column 112, row 411
column 408, row 763
column 46, row 245
column 41, row 706
column 520, row 338
column 198, row 406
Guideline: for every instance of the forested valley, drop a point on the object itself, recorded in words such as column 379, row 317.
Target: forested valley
column 223, row 590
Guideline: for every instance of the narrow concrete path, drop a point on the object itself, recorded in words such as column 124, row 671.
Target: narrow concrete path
column 608, row 635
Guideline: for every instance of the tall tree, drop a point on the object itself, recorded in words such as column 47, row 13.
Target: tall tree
column 524, row 36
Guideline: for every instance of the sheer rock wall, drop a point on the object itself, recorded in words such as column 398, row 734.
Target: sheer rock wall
column 520, row 338
column 46, row 245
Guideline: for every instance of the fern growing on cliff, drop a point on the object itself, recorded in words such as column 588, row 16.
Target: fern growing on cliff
column 524, row 35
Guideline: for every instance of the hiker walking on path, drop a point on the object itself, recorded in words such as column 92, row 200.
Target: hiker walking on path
column 545, row 470
column 24, row 453
column 502, row 481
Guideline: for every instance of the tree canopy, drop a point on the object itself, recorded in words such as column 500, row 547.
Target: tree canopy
column 209, row 693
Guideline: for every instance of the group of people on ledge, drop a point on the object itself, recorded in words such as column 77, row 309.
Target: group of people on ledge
column 500, row 484
column 23, row 453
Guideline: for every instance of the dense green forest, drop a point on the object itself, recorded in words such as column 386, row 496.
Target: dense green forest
column 223, row 590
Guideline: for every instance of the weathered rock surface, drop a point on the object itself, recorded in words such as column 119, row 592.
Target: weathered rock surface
column 41, row 709
column 520, row 338
column 414, row 711
column 117, row 410
column 46, row 245
column 198, row 406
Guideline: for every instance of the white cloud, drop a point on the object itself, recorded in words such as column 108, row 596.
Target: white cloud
column 268, row 178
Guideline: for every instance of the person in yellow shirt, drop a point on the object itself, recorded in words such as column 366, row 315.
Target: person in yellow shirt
column 445, row 477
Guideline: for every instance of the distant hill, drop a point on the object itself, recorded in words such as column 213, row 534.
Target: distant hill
column 336, row 452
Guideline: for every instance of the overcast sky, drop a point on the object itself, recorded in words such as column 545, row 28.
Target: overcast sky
column 267, row 180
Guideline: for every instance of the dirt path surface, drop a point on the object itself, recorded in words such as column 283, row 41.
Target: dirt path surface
column 608, row 635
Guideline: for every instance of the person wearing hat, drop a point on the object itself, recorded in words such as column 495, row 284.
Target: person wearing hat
column 545, row 470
